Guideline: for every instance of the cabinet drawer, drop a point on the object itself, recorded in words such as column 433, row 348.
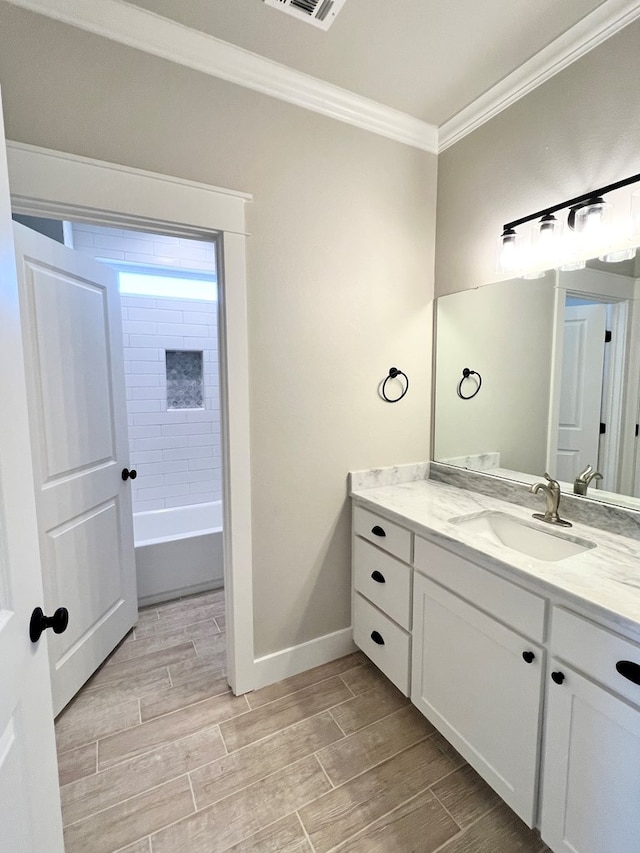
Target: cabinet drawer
column 392, row 655
column 599, row 653
column 393, row 538
column 501, row 598
column 383, row 580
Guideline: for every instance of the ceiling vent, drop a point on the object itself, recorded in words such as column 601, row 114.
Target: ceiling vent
column 320, row 13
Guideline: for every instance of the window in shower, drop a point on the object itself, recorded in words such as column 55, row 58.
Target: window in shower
column 184, row 379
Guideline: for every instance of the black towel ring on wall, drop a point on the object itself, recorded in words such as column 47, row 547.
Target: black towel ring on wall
column 466, row 374
column 393, row 374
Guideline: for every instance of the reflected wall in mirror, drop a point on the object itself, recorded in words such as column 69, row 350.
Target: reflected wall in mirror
column 559, row 358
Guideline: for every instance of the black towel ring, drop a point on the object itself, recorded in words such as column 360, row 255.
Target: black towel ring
column 466, row 373
column 393, row 374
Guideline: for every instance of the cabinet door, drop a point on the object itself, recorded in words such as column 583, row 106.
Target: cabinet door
column 477, row 682
column 591, row 782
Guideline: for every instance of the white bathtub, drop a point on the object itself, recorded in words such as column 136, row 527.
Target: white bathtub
column 178, row 551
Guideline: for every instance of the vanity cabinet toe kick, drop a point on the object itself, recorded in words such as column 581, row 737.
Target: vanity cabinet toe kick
column 543, row 703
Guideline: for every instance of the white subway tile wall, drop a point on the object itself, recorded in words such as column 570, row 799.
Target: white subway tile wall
column 119, row 244
column 176, row 453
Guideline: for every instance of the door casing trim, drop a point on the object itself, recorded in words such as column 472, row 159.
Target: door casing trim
column 57, row 184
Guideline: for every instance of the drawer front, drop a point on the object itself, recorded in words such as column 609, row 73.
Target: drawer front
column 392, row 655
column 509, row 603
column 383, row 580
column 393, row 538
column 600, row 654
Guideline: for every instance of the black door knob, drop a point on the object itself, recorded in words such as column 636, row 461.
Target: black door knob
column 378, row 577
column 376, row 636
column 558, row 677
column 529, row 657
column 39, row 622
column 126, row 474
column 378, row 531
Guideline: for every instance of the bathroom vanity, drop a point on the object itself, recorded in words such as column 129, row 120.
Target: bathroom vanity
column 525, row 656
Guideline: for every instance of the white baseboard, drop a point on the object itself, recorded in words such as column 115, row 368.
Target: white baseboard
column 283, row 664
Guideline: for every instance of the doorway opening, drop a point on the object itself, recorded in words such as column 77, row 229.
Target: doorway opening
column 169, row 314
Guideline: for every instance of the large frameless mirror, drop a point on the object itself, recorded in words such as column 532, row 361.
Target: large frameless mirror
column 553, row 374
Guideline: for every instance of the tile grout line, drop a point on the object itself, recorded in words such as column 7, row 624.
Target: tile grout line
column 460, row 828
column 324, row 770
column 128, row 800
column 344, row 734
column 353, row 694
column 306, row 687
column 336, row 847
column 306, row 834
column 193, row 796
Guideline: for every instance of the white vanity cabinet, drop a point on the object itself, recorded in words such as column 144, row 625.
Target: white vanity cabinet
column 591, row 775
column 542, row 701
column 479, row 681
column 382, row 581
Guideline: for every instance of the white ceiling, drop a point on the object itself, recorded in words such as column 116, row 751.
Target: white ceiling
column 427, row 58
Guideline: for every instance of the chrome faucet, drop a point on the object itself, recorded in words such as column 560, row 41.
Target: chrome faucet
column 584, row 478
column 552, row 492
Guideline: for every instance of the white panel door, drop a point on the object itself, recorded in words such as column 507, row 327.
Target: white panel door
column 72, row 331
column 30, row 818
column 580, row 389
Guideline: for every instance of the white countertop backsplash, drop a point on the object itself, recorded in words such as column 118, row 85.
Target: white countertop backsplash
column 603, row 582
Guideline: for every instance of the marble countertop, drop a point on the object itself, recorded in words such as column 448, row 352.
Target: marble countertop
column 603, row 582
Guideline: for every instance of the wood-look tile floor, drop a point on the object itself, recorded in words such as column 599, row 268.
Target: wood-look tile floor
column 157, row 756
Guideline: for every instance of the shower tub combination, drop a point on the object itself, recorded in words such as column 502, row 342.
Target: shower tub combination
column 178, row 551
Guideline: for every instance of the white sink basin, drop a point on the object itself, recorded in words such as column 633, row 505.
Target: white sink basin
column 526, row 537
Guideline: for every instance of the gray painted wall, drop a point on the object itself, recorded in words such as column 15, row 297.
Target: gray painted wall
column 340, row 269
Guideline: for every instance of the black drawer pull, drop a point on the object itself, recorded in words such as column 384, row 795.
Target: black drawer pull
column 558, row 677
column 630, row 670
column 378, row 577
column 377, row 638
column 529, row 657
column 378, row 531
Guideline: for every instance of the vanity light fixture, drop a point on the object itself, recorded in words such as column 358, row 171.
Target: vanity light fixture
column 586, row 221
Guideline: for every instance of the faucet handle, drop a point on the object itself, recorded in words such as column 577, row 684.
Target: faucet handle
column 583, row 476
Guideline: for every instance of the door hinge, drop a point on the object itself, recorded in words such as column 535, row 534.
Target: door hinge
column 603, row 429
column 607, row 336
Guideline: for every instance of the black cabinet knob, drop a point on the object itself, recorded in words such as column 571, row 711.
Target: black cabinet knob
column 378, row 531
column 529, row 657
column 629, row 670
column 39, row 622
column 378, row 577
column 129, row 474
column 377, row 638
column 558, row 677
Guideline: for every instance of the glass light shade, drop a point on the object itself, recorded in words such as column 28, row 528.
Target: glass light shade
column 635, row 214
column 571, row 266
column 547, row 240
column 509, row 251
column 617, row 256
column 590, row 218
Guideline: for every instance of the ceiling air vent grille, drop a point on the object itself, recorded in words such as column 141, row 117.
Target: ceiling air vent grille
column 320, row 13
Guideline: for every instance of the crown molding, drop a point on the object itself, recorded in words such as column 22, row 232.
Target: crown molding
column 596, row 28
column 138, row 28
column 147, row 31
